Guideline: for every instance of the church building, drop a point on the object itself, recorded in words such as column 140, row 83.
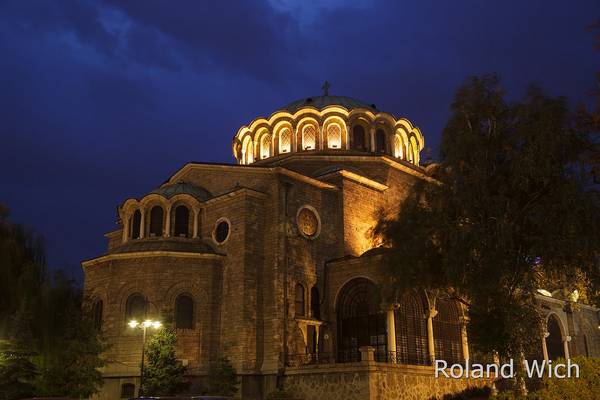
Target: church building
column 271, row 263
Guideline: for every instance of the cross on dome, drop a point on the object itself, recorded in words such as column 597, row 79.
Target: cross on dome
column 325, row 87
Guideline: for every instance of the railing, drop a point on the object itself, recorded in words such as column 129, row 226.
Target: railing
column 294, row 360
column 397, row 357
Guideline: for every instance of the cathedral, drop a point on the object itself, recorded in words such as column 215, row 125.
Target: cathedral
column 271, row 263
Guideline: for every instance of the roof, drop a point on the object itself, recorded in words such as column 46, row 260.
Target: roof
column 181, row 187
column 181, row 245
column 320, row 102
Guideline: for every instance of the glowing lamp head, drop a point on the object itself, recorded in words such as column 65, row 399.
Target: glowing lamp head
column 133, row 323
column 156, row 324
column 147, row 323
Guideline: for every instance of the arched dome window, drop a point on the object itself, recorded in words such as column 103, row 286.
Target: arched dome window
column 299, row 301
column 184, row 312
column 447, row 332
column 334, row 136
column 182, row 221
column 136, row 222
column 380, row 141
column 309, row 137
column 135, row 309
column 411, row 331
column 265, row 146
column 285, row 140
column 397, row 146
column 247, row 151
column 156, row 221
column 358, row 137
column 97, row 309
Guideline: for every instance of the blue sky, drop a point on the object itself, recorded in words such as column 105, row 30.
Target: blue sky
column 104, row 100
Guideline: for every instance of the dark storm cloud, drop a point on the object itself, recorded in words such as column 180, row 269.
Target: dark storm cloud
column 103, row 100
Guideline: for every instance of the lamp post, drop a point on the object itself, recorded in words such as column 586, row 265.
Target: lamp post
column 143, row 326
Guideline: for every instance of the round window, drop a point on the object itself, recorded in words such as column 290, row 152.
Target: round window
column 308, row 222
column 221, row 232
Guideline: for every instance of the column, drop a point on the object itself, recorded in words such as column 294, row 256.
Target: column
column 431, row 343
column 372, row 139
column 464, row 340
column 167, row 228
column 566, row 340
column 196, row 216
column 391, row 336
column 126, row 229
column 142, row 223
column 544, row 346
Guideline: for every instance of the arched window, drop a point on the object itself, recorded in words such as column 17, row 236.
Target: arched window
column 447, row 332
column 285, row 140
column 309, row 137
column 184, row 312
column 554, row 342
column 299, row 303
column 380, row 141
column 398, row 146
column 247, row 151
column 127, row 390
column 156, row 221
column 182, row 221
column 97, row 314
column 415, row 150
column 358, row 137
column 135, row 307
column 334, row 136
column 411, row 331
column 315, row 305
column 359, row 321
column 136, row 222
column 265, row 146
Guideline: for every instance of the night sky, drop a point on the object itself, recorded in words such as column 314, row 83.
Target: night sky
column 101, row 101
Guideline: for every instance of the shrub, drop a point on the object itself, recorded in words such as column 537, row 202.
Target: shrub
column 587, row 387
column 222, row 378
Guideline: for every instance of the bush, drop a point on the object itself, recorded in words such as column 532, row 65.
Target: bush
column 222, row 378
column 470, row 393
column 587, row 387
column 281, row 395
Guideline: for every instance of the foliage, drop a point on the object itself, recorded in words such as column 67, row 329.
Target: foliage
column 586, row 387
column 470, row 393
column 52, row 349
column 164, row 374
column 222, row 378
column 511, row 212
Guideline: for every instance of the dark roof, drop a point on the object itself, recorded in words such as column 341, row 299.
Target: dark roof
column 320, row 102
column 183, row 187
column 181, row 245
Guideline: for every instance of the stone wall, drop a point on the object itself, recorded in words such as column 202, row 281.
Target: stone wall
column 371, row 381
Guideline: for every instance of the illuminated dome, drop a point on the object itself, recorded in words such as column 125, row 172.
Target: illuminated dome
column 328, row 124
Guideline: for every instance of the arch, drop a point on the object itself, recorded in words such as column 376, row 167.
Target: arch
column 554, row 340
column 299, row 304
column 359, row 321
column 315, row 303
column 285, row 140
column 380, row 141
column 127, row 390
column 156, row 221
column 265, row 146
column 247, row 150
column 182, row 221
column 136, row 224
column 411, row 331
column 359, row 138
column 97, row 309
column 415, row 150
column 309, row 137
column 136, row 307
column 447, row 331
column 184, row 312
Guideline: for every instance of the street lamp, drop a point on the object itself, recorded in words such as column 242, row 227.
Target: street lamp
column 144, row 325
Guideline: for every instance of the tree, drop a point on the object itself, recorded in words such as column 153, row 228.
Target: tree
column 164, row 374
column 222, row 378
column 510, row 213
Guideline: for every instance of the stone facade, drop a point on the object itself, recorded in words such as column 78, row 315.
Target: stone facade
column 277, row 259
